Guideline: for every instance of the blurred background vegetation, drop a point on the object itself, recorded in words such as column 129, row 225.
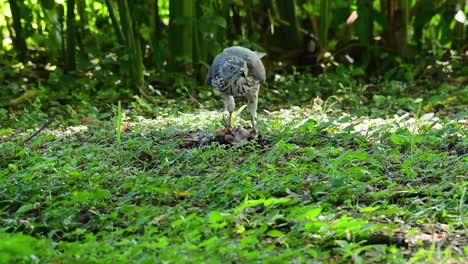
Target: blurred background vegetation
column 81, row 50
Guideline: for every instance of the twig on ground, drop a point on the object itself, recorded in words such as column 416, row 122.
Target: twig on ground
column 44, row 126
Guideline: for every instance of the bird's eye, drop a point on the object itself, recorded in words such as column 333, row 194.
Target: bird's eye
column 232, row 68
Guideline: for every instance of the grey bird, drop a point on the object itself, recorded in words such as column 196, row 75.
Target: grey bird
column 238, row 71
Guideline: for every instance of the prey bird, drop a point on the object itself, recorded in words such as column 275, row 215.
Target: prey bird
column 238, row 71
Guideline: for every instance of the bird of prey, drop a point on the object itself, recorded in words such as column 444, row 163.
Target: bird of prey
column 238, row 71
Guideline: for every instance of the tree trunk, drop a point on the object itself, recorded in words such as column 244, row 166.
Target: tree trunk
column 365, row 23
column 249, row 19
column 364, row 29
column 287, row 33
column 423, row 11
column 155, row 36
column 133, row 47
column 200, row 53
column 395, row 35
column 324, row 23
column 81, row 8
column 181, row 34
column 70, row 64
column 54, row 27
column 82, row 29
column 19, row 41
column 236, row 22
column 115, row 23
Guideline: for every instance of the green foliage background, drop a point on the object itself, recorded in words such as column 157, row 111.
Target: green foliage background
column 362, row 153
column 162, row 43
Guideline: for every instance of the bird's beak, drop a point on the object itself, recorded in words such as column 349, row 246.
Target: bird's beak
column 242, row 72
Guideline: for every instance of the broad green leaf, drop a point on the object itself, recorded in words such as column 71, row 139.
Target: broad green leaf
column 25, row 208
column 177, row 223
column 275, row 233
column 307, row 125
column 217, row 220
column 215, row 217
column 399, row 140
column 80, row 197
column 240, row 229
column 310, row 213
column 369, row 209
column 101, row 194
column 5, row 132
column 313, row 213
column 391, row 210
column 220, row 21
column 161, row 243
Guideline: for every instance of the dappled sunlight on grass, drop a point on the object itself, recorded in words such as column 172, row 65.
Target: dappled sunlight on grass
column 188, row 121
column 316, row 177
column 298, row 117
column 295, row 119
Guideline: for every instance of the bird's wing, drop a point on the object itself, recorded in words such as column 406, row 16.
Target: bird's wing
column 256, row 68
column 217, row 62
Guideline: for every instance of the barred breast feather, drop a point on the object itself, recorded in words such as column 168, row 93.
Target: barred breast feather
column 235, row 86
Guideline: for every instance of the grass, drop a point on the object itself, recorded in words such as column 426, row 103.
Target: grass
column 383, row 183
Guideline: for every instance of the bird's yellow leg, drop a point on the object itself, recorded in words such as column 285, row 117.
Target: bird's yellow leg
column 229, row 105
column 228, row 122
column 254, row 130
column 252, row 107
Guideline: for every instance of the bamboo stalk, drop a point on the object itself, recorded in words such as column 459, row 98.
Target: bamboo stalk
column 404, row 9
column 155, row 36
column 365, row 22
column 180, row 34
column 132, row 42
column 81, row 8
column 70, row 64
column 288, row 35
column 199, row 44
column 19, row 41
column 54, row 27
column 324, row 23
column 115, row 23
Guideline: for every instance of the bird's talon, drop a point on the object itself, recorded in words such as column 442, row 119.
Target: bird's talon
column 226, row 131
column 253, row 133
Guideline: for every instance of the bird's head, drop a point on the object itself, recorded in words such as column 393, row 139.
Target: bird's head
column 234, row 67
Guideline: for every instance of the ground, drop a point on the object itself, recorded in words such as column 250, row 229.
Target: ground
column 323, row 182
